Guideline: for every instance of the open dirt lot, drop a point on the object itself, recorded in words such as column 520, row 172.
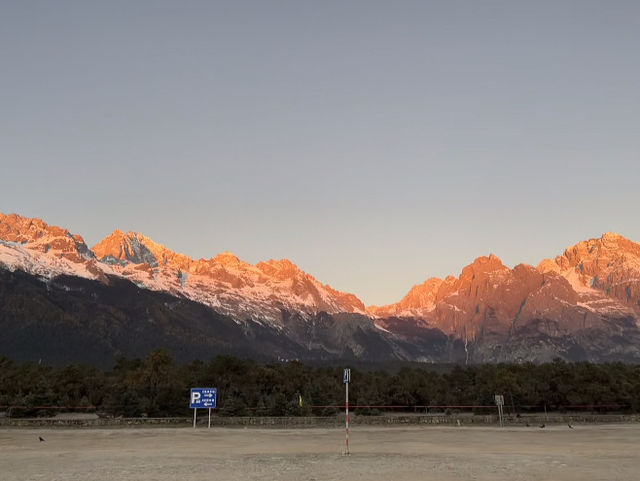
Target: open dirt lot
column 586, row 453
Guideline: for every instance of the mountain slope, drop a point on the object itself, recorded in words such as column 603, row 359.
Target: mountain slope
column 582, row 305
column 71, row 319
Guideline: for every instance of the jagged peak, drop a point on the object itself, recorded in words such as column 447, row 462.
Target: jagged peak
column 13, row 217
column 282, row 263
column 227, row 258
column 132, row 234
column 430, row 284
column 610, row 243
column 608, row 239
column 31, row 228
column 524, row 266
column 132, row 247
column 17, row 228
column 120, row 234
column 548, row 265
column 490, row 259
column 483, row 264
column 227, row 254
column 612, row 236
column 280, row 268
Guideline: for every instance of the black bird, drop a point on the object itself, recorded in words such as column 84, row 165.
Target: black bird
column 526, row 424
column 570, row 426
column 541, row 426
column 41, row 439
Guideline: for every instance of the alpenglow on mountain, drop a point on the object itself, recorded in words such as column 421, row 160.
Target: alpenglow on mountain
column 63, row 301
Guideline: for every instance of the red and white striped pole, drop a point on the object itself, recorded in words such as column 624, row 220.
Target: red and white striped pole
column 347, row 378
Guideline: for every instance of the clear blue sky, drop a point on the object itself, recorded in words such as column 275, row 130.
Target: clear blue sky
column 375, row 144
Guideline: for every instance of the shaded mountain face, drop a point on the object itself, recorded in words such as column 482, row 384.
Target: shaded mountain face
column 584, row 304
column 70, row 319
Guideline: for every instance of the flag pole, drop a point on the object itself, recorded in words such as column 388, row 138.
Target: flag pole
column 346, row 418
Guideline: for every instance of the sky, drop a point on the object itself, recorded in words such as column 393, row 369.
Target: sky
column 373, row 143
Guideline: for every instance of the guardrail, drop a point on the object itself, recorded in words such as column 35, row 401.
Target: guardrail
column 337, row 421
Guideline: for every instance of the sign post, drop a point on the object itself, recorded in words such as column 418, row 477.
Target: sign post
column 203, row 397
column 346, row 377
column 500, row 403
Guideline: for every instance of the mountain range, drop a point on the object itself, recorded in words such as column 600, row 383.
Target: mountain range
column 63, row 301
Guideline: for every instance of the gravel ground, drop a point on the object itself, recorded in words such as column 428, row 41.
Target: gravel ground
column 607, row 453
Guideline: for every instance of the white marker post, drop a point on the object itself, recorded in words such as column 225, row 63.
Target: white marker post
column 209, row 426
column 346, row 378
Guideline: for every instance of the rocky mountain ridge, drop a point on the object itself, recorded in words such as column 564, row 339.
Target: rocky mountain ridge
column 583, row 304
column 598, row 276
column 583, row 301
column 225, row 283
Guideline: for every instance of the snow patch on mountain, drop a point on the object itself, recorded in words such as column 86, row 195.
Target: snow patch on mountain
column 14, row 257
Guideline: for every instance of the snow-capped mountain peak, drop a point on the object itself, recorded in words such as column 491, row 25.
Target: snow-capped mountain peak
column 36, row 235
column 584, row 301
column 244, row 291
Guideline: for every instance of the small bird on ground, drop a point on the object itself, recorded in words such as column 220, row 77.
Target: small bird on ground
column 41, row 439
column 570, row 426
column 541, row 426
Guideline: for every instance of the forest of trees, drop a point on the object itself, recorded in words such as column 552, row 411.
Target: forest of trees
column 157, row 386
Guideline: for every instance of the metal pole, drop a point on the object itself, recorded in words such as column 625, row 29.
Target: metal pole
column 346, row 418
column 209, row 426
column 194, row 417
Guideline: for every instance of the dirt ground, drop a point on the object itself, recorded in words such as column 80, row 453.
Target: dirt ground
column 607, row 453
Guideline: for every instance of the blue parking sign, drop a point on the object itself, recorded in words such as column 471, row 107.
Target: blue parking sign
column 203, row 397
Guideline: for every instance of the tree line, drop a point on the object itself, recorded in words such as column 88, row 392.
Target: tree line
column 157, row 386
